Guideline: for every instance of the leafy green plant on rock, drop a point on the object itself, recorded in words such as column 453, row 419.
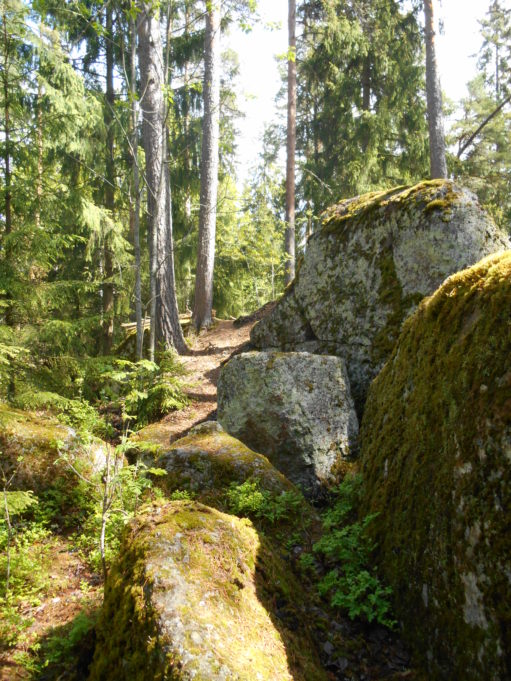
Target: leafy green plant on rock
column 346, row 548
column 76, row 413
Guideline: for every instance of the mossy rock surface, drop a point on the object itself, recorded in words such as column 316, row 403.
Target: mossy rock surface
column 32, row 444
column 208, row 460
column 295, row 407
column 436, row 458
column 198, row 594
column 367, row 268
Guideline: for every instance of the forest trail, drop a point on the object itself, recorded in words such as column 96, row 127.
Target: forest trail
column 209, row 350
column 74, row 588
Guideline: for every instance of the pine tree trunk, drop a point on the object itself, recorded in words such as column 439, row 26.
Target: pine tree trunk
column 366, row 101
column 186, row 127
column 39, row 186
column 291, row 147
column 438, row 165
column 150, row 57
column 203, row 302
column 108, row 286
column 168, row 318
column 165, row 326
column 7, row 132
column 136, row 189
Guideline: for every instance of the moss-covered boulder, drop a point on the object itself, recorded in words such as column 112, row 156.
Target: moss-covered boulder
column 208, row 460
column 33, row 445
column 295, row 407
column 436, row 458
column 374, row 258
column 197, row 594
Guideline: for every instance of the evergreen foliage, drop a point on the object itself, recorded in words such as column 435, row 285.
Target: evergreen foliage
column 485, row 164
column 361, row 112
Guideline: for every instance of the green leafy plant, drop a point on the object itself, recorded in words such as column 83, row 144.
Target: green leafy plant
column 250, row 500
column 143, row 391
column 55, row 657
column 24, row 546
column 77, row 413
column 114, row 498
column 181, row 495
column 350, row 583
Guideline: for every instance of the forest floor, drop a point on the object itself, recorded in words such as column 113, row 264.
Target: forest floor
column 66, row 607
column 71, row 588
column 71, row 593
column 208, row 352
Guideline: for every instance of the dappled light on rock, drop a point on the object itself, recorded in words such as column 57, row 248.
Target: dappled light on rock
column 193, row 597
column 369, row 265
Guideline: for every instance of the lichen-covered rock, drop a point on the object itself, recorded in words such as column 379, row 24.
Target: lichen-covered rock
column 294, row 407
column 436, row 459
column 32, row 447
column 208, row 460
column 197, row 594
column 210, row 466
column 367, row 268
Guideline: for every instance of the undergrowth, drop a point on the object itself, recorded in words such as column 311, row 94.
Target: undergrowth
column 350, row 582
column 249, row 500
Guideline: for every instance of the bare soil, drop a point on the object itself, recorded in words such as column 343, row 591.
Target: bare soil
column 208, row 352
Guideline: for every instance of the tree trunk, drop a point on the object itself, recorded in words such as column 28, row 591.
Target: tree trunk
column 150, row 57
column 164, row 314
column 291, row 147
column 39, row 185
column 366, row 102
column 108, row 286
column 168, row 318
column 203, row 303
column 438, row 165
column 136, row 189
column 186, row 128
column 7, row 132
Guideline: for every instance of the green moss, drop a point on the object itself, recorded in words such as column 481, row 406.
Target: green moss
column 192, row 596
column 392, row 297
column 208, row 463
column 429, row 195
column 29, row 445
column 435, row 443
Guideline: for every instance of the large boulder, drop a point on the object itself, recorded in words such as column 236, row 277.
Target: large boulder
column 374, row 258
column 294, row 407
column 436, row 460
column 36, row 449
column 208, row 460
column 198, row 594
column 210, row 466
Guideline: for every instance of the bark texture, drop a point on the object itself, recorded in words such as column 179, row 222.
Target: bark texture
column 291, row 147
column 165, row 327
column 108, row 286
column 203, row 303
column 136, row 189
column 438, row 165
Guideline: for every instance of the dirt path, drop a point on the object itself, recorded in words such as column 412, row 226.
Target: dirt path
column 209, row 351
column 71, row 586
